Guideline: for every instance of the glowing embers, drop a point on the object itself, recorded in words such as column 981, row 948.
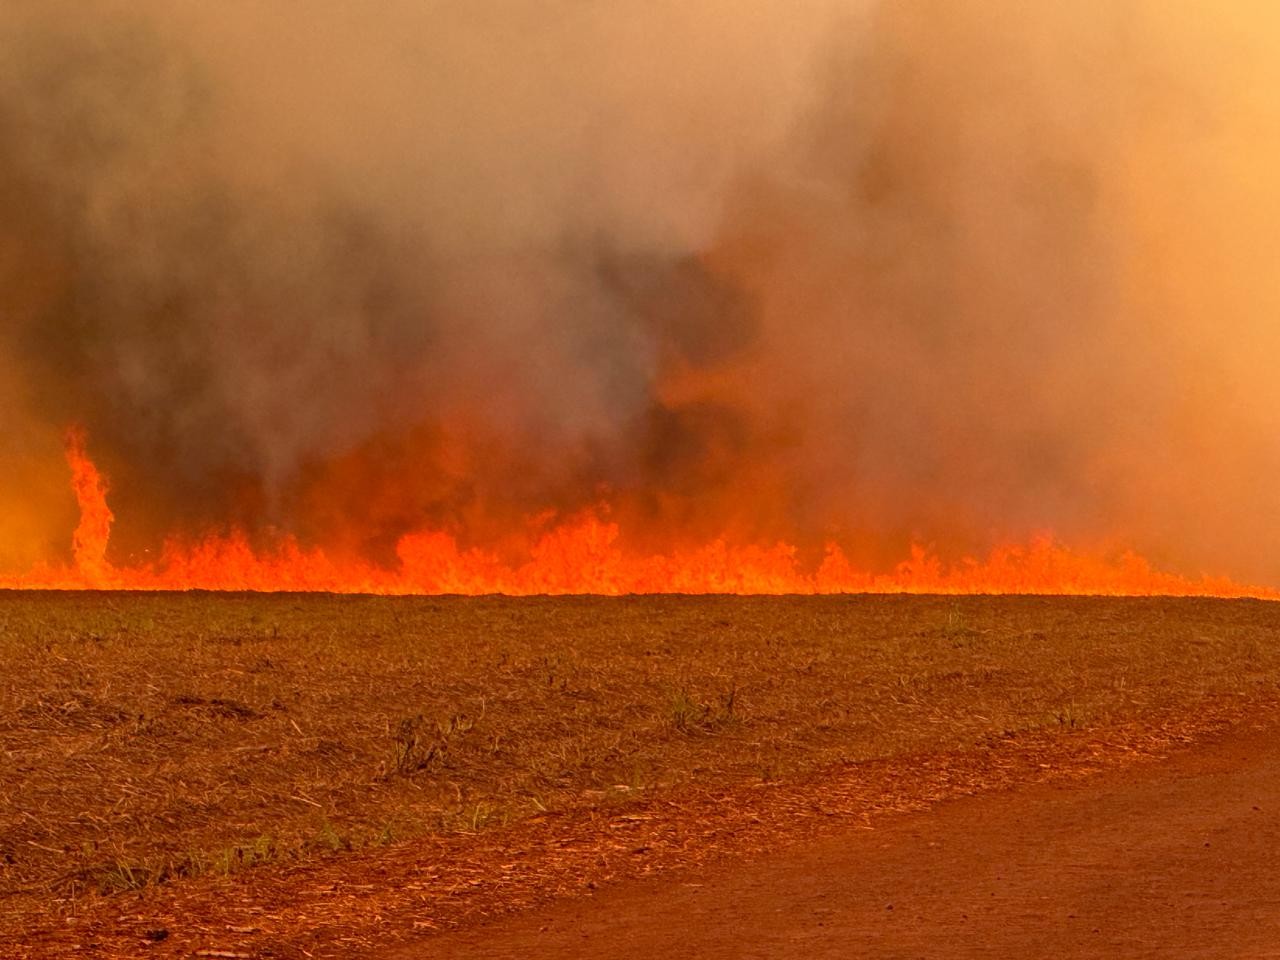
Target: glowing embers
column 584, row 554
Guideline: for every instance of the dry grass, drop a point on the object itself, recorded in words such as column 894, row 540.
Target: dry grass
column 150, row 739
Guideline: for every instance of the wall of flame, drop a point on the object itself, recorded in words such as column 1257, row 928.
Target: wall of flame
column 818, row 295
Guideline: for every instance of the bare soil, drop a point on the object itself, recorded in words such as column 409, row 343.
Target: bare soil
column 1175, row 859
column 314, row 776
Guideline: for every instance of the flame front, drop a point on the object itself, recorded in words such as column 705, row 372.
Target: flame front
column 821, row 282
column 586, row 555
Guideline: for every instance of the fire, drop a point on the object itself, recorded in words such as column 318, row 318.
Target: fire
column 89, row 542
column 587, row 554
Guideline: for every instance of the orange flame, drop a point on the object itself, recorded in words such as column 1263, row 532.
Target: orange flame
column 89, row 542
column 586, row 555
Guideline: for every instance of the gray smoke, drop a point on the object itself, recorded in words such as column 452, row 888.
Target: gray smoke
column 881, row 272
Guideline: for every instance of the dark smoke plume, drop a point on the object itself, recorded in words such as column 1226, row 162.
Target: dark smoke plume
column 875, row 271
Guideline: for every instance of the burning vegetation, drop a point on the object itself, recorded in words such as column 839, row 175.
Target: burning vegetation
column 580, row 556
column 562, row 298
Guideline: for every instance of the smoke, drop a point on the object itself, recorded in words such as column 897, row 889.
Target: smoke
column 879, row 272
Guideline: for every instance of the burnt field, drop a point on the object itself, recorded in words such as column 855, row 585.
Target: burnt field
column 284, row 775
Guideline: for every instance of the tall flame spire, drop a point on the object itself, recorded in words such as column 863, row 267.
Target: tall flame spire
column 89, row 543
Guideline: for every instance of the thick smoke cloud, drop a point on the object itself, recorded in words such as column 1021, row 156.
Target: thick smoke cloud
column 878, row 272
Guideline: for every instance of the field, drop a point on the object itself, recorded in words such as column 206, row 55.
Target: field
column 308, row 775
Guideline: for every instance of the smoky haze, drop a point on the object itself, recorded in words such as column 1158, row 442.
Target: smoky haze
column 879, row 272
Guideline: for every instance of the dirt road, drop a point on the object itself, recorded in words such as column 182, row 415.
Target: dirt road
column 1176, row 859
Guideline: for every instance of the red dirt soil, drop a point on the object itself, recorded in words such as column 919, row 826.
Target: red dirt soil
column 1165, row 859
